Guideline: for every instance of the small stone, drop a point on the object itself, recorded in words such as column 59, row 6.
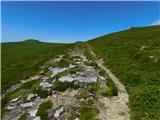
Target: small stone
column 45, row 84
column 25, row 105
column 76, row 118
column 151, row 56
column 30, row 96
column 14, row 100
column 11, row 108
column 58, row 112
column 33, row 112
column 37, row 118
column 49, row 112
column 66, row 79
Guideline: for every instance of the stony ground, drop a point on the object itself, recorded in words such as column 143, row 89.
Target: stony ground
column 77, row 86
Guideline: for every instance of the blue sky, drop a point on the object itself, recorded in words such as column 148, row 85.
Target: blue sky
column 73, row 21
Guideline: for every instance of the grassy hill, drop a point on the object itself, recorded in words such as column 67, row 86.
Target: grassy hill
column 134, row 56
column 22, row 59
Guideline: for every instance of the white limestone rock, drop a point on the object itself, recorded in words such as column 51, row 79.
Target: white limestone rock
column 87, row 79
column 45, row 84
column 37, row 118
column 30, row 96
column 26, row 105
column 14, row 100
column 66, row 79
column 33, row 112
column 58, row 112
column 55, row 71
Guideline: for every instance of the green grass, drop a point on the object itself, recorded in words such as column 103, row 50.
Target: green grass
column 41, row 110
column 22, row 59
column 112, row 89
column 138, row 72
column 88, row 112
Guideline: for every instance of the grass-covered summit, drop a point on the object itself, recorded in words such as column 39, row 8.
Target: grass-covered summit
column 134, row 56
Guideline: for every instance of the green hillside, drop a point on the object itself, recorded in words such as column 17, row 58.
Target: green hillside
column 134, row 56
column 22, row 59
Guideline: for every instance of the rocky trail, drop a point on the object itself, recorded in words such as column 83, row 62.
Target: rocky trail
column 78, row 86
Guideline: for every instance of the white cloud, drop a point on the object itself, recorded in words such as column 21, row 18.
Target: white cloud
column 156, row 22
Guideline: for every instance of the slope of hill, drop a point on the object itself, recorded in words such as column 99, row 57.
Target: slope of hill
column 22, row 59
column 134, row 56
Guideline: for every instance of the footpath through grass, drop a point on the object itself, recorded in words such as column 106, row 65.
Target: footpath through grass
column 134, row 56
column 22, row 59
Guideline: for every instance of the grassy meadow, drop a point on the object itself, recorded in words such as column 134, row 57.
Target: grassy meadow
column 133, row 55
column 22, row 59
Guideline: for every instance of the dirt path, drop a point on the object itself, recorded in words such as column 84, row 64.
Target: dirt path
column 115, row 108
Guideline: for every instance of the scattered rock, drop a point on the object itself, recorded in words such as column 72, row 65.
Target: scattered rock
column 66, row 79
column 87, row 79
column 101, row 77
column 33, row 112
column 30, row 96
column 36, row 77
column 45, row 84
column 49, row 112
column 55, row 71
column 14, row 100
column 143, row 47
column 77, row 118
column 37, row 118
column 151, row 56
column 11, row 107
column 58, row 112
column 26, row 105
column 57, row 60
column 71, row 66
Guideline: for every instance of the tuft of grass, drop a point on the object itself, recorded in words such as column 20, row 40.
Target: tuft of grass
column 42, row 93
column 22, row 117
column 88, row 112
column 48, row 73
column 112, row 91
column 41, row 110
column 94, row 87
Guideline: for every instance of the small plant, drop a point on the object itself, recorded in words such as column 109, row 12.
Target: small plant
column 48, row 73
column 88, row 112
column 64, row 63
column 93, row 87
column 113, row 91
column 41, row 92
column 41, row 110
column 22, row 117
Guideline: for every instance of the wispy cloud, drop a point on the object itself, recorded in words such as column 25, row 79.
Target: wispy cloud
column 156, row 22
